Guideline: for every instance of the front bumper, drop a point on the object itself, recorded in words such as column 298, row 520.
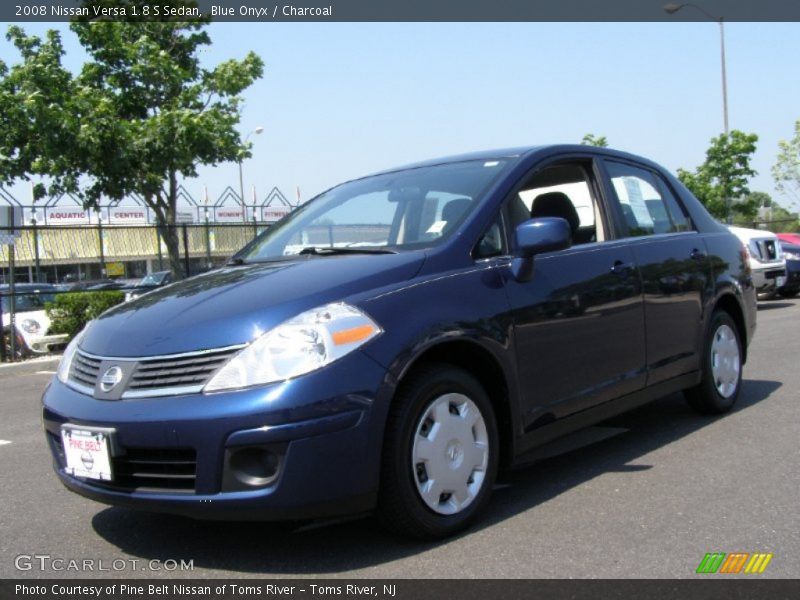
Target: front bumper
column 47, row 343
column 324, row 429
column 765, row 277
column 792, row 277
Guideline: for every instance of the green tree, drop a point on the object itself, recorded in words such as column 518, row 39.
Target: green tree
column 591, row 140
column 748, row 208
column 141, row 113
column 721, row 181
column 37, row 138
column 780, row 219
column 786, row 170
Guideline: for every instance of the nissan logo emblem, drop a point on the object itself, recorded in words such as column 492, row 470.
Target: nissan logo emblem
column 110, row 378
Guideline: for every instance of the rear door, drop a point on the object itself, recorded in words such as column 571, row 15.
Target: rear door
column 673, row 265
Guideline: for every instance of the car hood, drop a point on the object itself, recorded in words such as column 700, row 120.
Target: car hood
column 235, row 304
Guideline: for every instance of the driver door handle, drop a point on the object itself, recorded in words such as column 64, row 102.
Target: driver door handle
column 622, row 268
column 697, row 254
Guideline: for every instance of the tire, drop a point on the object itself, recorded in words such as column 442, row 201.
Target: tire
column 789, row 294
column 722, row 368
column 20, row 350
column 440, row 456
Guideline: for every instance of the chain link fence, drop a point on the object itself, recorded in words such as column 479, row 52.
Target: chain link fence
column 44, row 261
column 72, row 253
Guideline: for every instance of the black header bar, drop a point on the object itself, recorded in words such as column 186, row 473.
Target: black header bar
column 401, row 10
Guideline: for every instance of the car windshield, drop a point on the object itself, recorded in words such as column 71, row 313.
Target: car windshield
column 395, row 211
column 152, row 279
column 26, row 302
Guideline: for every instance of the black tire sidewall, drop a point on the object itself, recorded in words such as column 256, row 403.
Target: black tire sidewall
column 413, row 400
column 716, row 401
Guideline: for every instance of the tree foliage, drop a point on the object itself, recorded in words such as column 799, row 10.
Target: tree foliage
column 749, row 207
column 786, row 170
column 141, row 113
column 591, row 140
column 721, row 182
column 37, row 135
column 69, row 313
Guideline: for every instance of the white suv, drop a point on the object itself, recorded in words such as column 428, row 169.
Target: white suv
column 766, row 260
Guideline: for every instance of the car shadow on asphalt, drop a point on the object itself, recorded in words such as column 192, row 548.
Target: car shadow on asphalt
column 357, row 544
column 773, row 305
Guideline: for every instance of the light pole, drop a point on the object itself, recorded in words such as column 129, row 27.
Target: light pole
column 257, row 131
column 672, row 9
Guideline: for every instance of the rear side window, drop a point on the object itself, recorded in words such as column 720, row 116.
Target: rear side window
column 648, row 206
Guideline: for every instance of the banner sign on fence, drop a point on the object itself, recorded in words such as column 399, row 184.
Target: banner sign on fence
column 131, row 215
column 228, row 215
column 72, row 215
column 270, row 214
column 184, row 216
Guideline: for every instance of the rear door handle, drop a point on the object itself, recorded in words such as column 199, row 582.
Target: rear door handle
column 697, row 254
column 621, row 268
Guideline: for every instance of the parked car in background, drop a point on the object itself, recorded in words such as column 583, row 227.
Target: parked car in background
column 31, row 320
column 149, row 283
column 766, row 260
column 791, row 238
column 401, row 338
column 93, row 285
column 791, row 253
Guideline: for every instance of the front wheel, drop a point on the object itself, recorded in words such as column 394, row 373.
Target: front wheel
column 722, row 368
column 440, row 455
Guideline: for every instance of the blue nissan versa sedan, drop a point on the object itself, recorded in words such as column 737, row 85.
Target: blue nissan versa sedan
column 401, row 338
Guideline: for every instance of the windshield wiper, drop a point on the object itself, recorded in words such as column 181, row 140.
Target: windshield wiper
column 328, row 251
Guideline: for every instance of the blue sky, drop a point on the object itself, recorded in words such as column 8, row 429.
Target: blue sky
column 341, row 100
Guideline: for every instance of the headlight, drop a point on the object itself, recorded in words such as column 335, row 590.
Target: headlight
column 303, row 344
column 69, row 353
column 31, row 326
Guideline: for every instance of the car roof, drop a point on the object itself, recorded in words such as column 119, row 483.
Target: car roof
column 519, row 153
column 24, row 287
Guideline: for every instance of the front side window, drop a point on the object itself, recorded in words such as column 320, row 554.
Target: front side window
column 391, row 212
column 492, row 241
column 561, row 190
column 648, row 207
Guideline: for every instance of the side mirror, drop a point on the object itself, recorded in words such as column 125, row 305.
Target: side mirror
column 536, row 236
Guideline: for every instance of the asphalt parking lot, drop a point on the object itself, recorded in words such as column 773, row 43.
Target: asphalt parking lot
column 656, row 490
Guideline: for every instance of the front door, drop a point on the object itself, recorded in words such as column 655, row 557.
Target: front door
column 579, row 321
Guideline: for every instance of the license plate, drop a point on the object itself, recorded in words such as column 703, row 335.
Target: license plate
column 780, row 281
column 87, row 452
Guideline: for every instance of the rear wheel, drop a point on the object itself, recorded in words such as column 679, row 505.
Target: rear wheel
column 440, row 454
column 789, row 294
column 722, row 368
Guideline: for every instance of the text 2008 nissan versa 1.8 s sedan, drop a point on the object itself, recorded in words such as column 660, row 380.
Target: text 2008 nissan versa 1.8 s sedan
column 399, row 339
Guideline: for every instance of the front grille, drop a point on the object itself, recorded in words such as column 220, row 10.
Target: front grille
column 775, row 273
column 84, row 370
column 57, row 449
column 155, row 470
column 181, row 371
column 159, row 470
column 169, row 375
